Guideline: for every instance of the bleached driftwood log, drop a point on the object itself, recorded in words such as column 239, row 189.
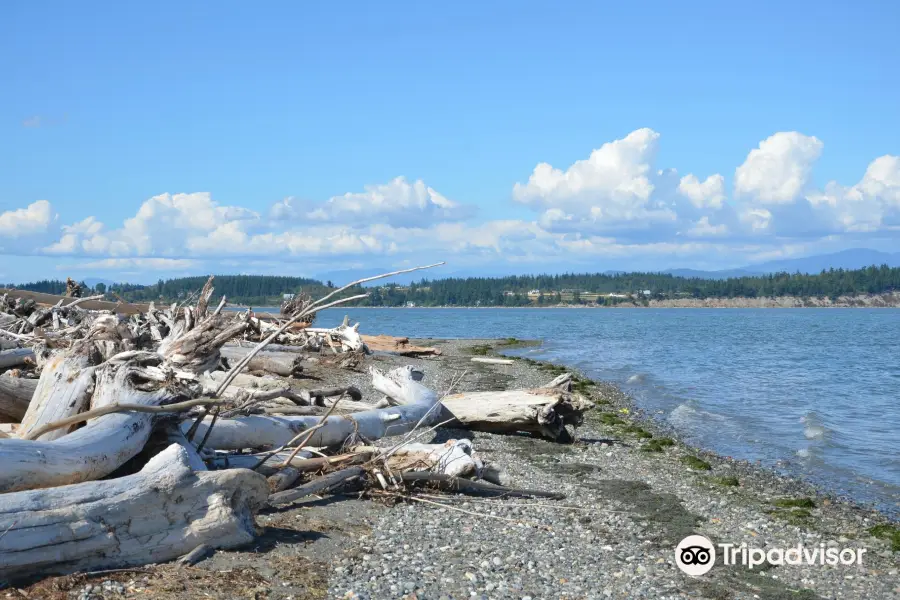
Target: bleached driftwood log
column 156, row 515
column 15, row 394
column 107, row 442
column 283, row 364
column 456, row 458
column 492, row 361
column 64, row 388
column 418, row 406
column 344, row 336
column 397, row 345
column 545, row 411
column 15, row 357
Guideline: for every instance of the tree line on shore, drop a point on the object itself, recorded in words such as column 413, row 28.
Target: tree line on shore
column 518, row 290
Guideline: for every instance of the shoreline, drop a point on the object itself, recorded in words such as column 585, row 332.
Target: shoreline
column 630, row 497
column 730, row 303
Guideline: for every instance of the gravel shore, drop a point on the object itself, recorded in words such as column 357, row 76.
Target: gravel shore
column 632, row 495
column 614, row 535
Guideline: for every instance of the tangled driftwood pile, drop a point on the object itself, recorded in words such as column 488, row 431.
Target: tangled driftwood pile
column 139, row 439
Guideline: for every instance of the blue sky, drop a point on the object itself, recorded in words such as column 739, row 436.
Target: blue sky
column 159, row 140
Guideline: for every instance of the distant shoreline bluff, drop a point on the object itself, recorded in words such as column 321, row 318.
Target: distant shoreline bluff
column 891, row 300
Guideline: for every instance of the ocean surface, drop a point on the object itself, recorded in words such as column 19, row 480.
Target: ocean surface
column 811, row 392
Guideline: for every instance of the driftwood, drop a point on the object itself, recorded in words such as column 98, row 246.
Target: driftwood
column 107, row 442
column 344, row 336
column 319, row 485
column 15, row 357
column 159, row 514
column 545, row 411
column 419, row 407
column 456, row 484
column 397, row 345
column 456, row 458
column 15, row 395
column 64, row 388
column 492, row 361
column 146, row 391
column 277, row 363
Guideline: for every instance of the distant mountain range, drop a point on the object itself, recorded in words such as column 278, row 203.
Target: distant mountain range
column 856, row 258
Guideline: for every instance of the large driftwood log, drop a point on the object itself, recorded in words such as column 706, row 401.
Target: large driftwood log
column 95, row 450
column 284, row 364
column 107, row 442
column 544, row 411
column 159, row 514
column 397, row 345
column 418, row 407
column 64, row 388
column 15, row 394
column 15, row 357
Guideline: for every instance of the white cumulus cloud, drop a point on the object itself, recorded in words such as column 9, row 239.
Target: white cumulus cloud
column 399, row 202
column 34, row 218
column 705, row 194
column 703, row 228
column 613, row 186
column 778, row 171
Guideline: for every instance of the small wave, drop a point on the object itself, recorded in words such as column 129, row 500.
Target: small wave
column 684, row 416
column 803, row 452
column 639, row 378
column 813, row 427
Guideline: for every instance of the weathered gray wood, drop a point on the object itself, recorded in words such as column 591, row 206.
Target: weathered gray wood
column 545, row 411
column 419, row 406
column 15, row 357
column 283, row 479
column 320, row 484
column 64, row 388
column 285, row 364
column 165, row 511
column 15, row 394
column 469, row 486
column 107, row 442
column 198, row 554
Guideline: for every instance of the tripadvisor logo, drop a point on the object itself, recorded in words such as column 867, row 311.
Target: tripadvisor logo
column 695, row 555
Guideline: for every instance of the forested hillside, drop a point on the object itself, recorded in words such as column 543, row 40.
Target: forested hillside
column 264, row 290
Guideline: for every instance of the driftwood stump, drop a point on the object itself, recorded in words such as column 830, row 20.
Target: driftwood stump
column 159, row 514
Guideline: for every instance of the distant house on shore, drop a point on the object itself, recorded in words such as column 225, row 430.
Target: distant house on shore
column 288, row 296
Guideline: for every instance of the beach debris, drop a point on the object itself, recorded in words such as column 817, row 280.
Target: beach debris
column 184, row 421
column 398, row 345
column 73, row 288
column 492, row 361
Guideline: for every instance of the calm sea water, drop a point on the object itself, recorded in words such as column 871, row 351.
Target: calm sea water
column 814, row 392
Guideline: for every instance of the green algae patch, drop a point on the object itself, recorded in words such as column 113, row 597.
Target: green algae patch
column 726, row 481
column 610, row 419
column 695, row 463
column 658, row 444
column 638, row 431
column 795, row 503
column 887, row 532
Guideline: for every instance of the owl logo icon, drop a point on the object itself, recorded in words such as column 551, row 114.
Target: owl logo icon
column 695, row 555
